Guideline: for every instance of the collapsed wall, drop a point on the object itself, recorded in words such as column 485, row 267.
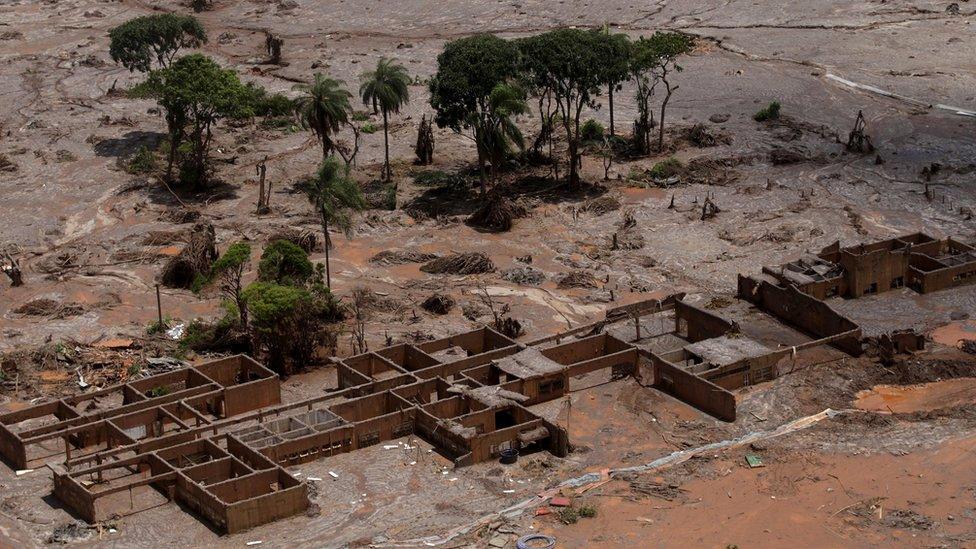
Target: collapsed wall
column 805, row 313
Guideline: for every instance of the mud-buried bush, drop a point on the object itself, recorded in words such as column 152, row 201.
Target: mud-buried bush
column 460, row 264
column 497, row 214
column 194, row 261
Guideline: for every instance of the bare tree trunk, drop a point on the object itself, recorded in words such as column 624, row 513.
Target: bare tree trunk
column 610, row 95
column 173, row 145
column 328, row 269
column 386, row 146
column 262, row 170
column 664, row 106
column 12, row 269
column 481, row 168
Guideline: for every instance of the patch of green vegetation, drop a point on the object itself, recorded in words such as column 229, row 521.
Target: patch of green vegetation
column 665, row 168
column 587, row 511
column 360, row 116
column 369, row 128
column 568, row 515
column 134, row 369
column 438, row 178
column 157, row 392
column 769, row 112
column 591, row 130
column 155, row 327
column 143, row 161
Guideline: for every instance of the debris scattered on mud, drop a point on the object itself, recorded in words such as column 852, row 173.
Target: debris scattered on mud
column 193, row 261
column 525, row 275
column 497, row 214
column 460, row 264
column 399, row 257
column 578, row 279
column 439, row 304
column 47, row 307
column 304, row 239
column 601, row 205
column 69, row 533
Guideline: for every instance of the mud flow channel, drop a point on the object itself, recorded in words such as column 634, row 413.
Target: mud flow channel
column 902, row 399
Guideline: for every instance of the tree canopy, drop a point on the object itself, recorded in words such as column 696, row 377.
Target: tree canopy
column 568, row 62
column 333, row 195
column 386, row 87
column 284, row 262
column 468, row 70
column 196, row 92
column 323, row 108
column 137, row 43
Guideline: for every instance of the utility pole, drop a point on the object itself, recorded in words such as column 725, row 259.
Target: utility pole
column 159, row 308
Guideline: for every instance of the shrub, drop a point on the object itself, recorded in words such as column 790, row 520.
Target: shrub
column 360, row 116
column 369, row 128
column 285, row 262
column 144, row 161
column 665, row 168
column 587, row 511
column 769, row 112
column 438, row 178
column 289, row 321
column 591, row 130
column 156, row 327
column 568, row 515
column 157, row 392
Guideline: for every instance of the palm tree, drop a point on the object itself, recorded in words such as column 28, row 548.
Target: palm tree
column 335, row 197
column 498, row 131
column 323, row 108
column 386, row 87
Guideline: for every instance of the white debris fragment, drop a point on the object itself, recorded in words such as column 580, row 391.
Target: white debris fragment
column 250, row 543
column 413, row 463
column 333, row 474
column 313, row 479
column 24, row 471
column 508, row 491
column 176, row 332
column 390, row 447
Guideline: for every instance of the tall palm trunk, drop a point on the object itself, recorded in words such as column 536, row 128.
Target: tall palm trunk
column 610, row 95
column 386, row 146
column 325, row 235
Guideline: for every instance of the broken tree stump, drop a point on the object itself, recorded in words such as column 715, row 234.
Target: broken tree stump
column 273, row 43
column 858, row 141
column 709, row 209
column 193, row 261
column 264, row 194
column 11, row 268
column 425, row 142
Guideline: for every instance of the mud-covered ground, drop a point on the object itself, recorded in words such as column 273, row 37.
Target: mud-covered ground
column 92, row 238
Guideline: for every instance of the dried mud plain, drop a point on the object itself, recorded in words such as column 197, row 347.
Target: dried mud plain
column 92, row 239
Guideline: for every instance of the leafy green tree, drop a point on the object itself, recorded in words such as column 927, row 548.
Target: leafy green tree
column 228, row 271
column 643, row 59
column 284, row 262
column 196, row 92
column 334, row 196
column 138, row 42
column 668, row 46
column 468, row 71
column 615, row 51
column 387, row 86
column 276, row 314
column 568, row 62
column 323, row 108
